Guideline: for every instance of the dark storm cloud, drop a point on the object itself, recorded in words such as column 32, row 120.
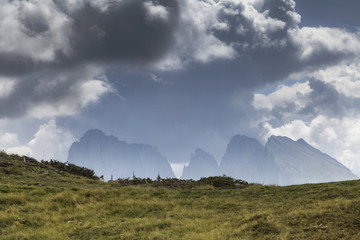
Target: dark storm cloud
column 123, row 32
column 16, row 65
column 61, row 93
column 271, row 50
column 280, row 10
column 127, row 32
column 272, row 40
column 55, row 38
column 325, row 99
column 34, row 22
column 243, row 31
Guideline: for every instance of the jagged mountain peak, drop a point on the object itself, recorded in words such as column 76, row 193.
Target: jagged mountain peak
column 239, row 138
column 279, row 139
column 107, row 155
column 282, row 160
column 93, row 132
column 97, row 134
column 302, row 141
column 302, row 163
column 199, row 151
column 201, row 154
column 246, row 158
column 243, row 144
column 202, row 164
column 289, row 143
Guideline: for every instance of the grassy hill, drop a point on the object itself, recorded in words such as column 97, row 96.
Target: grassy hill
column 55, row 201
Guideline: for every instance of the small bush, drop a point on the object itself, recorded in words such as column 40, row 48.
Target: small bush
column 223, row 182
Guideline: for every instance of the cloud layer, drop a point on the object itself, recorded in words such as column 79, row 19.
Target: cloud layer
column 203, row 58
column 52, row 52
column 48, row 49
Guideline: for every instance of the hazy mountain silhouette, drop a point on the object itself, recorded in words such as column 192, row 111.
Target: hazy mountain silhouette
column 247, row 159
column 300, row 163
column 202, row 164
column 282, row 161
column 109, row 156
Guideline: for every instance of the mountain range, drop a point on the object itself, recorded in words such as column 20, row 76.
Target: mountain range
column 281, row 161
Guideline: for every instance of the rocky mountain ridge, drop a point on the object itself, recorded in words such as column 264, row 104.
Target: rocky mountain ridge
column 202, row 164
column 109, row 156
column 281, row 161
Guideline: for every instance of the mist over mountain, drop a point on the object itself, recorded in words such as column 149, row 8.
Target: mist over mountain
column 301, row 163
column 282, row 161
column 247, row 159
column 202, row 164
column 107, row 155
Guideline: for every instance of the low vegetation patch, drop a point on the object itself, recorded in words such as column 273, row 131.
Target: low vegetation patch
column 219, row 182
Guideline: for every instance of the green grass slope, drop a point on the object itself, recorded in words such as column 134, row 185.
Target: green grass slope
column 46, row 201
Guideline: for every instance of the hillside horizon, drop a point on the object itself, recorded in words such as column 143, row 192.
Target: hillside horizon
column 43, row 200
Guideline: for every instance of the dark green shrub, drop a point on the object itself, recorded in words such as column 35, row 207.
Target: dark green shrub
column 71, row 168
column 223, row 182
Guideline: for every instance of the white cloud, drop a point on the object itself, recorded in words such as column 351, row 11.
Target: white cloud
column 261, row 21
column 91, row 91
column 21, row 150
column 156, row 11
column 194, row 38
column 241, row 30
column 345, row 78
column 257, row 25
column 223, row 26
column 213, row 49
column 296, row 93
column 46, row 31
column 9, row 139
column 295, row 130
column 49, row 142
column 313, row 41
column 6, row 87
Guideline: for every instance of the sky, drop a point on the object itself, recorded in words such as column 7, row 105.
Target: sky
column 180, row 75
